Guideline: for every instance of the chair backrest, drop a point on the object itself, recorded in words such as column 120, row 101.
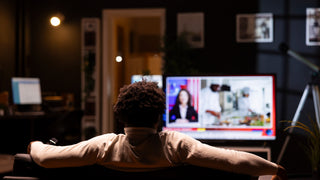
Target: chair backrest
column 25, row 167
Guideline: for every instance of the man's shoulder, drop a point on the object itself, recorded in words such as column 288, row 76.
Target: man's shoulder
column 174, row 135
column 168, row 132
column 107, row 136
column 177, row 140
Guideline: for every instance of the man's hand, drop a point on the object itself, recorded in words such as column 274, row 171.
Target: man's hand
column 281, row 174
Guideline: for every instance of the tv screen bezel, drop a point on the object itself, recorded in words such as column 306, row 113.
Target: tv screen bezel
column 163, row 127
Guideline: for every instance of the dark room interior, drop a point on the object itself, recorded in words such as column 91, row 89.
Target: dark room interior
column 75, row 110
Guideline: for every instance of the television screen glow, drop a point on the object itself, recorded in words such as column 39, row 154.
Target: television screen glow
column 231, row 107
column 26, row 91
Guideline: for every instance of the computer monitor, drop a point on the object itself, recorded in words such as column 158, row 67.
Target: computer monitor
column 228, row 107
column 153, row 78
column 26, row 91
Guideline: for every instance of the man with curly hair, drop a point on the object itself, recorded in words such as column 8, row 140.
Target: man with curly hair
column 142, row 148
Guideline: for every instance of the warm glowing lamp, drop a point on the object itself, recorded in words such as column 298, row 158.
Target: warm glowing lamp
column 119, row 58
column 55, row 21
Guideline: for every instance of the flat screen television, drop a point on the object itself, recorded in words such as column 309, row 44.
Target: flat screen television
column 224, row 107
column 26, row 91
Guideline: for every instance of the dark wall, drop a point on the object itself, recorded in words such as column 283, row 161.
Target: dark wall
column 55, row 51
column 221, row 54
column 7, row 42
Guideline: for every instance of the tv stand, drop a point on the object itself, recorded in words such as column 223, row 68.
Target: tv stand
column 258, row 149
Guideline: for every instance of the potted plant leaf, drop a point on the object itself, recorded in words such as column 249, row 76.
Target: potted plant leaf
column 179, row 56
column 312, row 146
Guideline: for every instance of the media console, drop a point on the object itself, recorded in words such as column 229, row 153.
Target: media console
column 252, row 149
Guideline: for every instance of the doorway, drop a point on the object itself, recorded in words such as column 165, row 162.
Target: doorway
column 131, row 40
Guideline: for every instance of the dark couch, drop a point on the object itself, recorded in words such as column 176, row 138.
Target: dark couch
column 25, row 168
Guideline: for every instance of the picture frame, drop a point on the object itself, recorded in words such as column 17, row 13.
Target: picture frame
column 313, row 26
column 256, row 28
column 192, row 26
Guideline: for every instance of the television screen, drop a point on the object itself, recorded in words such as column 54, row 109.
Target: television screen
column 153, row 78
column 26, row 91
column 230, row 107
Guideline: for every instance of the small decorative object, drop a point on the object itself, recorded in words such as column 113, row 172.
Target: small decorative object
column 255, row 27
column 192, row 25
column 313, row 27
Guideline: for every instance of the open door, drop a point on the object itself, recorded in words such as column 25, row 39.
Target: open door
column 120, row 39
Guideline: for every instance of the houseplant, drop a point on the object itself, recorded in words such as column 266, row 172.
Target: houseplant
column 312, row 146
column 179, row 56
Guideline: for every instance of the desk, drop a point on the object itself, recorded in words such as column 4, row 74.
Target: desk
column 16, row 131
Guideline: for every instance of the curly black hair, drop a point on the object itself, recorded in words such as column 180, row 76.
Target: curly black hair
column 140, row 104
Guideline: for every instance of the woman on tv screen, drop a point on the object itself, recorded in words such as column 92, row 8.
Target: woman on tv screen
column 183, row 111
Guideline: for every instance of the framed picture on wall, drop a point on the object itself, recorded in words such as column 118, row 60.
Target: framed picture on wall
column 313, row 27
column 192, row 26
column 254, row 27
